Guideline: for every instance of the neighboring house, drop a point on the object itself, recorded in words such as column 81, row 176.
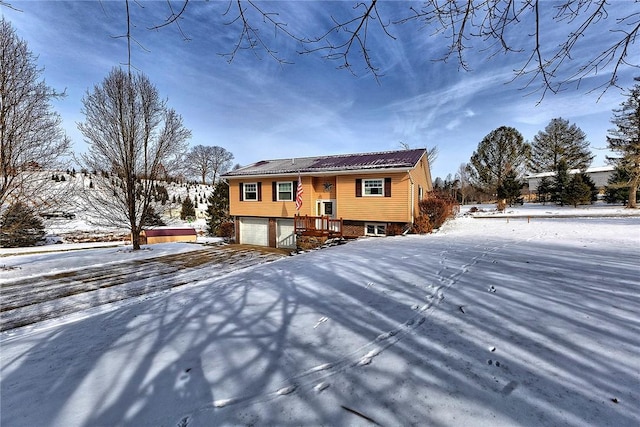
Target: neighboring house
column 349, row 195
column 599, row 176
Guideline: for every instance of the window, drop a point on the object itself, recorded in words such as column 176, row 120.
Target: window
column 420, row 193
column 285, row 191
column 251, row 191
column 373, row 187
column 373, row 229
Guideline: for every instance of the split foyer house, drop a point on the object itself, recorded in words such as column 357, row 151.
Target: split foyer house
column 342, row 195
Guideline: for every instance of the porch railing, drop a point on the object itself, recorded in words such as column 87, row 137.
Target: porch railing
column 317, row 226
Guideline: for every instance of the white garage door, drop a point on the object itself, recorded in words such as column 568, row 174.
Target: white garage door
column 284, row 233
column 254, row 231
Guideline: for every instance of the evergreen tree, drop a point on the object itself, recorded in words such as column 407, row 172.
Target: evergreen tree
column 502, row 150
column 625, row 140
column 19, row 227
column 617, row 189
column 187, row 209
column 559, row 140
column 510, row 188
column 560, row 183
column 577, row 191
column 152, row 218
column 545, row 188
column 593, row 188
column 217, row 208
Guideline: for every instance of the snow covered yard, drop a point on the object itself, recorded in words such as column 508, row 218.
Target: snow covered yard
column 487, row 322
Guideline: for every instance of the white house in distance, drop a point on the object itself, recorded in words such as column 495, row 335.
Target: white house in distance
column 599, row 176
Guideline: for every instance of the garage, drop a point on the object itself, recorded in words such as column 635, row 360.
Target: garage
column 254, row 231
column 285, row 234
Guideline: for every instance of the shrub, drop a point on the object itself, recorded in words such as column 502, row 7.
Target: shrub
column 226, row 230
column 19, row 227
column 434, row 211
column 422, row 225
column 394, row 229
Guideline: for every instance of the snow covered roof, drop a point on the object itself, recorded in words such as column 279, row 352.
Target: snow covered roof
column 609, row 168
column 400, row 159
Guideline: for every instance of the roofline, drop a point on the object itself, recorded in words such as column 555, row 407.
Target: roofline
column 334, row 171
column 396, row 169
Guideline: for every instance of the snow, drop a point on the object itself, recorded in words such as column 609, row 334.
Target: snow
column 523, row 320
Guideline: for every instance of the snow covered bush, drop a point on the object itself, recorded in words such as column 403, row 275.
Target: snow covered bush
column 19, row 226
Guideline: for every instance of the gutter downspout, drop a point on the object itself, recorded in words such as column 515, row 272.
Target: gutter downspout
column 412, row 197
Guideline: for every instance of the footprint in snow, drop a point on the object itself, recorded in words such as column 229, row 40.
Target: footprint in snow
column 321, row 387
column 369, row 357
column 286, row 390
column 320, row 321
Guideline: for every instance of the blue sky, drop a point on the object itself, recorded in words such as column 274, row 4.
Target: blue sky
column 258, row 108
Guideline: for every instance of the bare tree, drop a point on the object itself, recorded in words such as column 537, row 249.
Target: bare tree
column 208, row 162
column 31, row 139
column 495, row 24
column 198, row 162
column 133, row 138
column 221, row 162
column 464, row 182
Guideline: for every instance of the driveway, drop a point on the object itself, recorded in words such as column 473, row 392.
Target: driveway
column 30, row 300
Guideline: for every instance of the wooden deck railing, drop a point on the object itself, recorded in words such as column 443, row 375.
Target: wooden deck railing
column 317, row 226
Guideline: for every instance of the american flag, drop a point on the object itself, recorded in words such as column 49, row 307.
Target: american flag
column 299, row 192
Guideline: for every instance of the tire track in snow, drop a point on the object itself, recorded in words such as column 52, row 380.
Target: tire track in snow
column 35, row 299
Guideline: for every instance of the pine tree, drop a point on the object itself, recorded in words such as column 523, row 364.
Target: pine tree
column 545, row 188
column 510, row 188
column 617, row 189
column 560, row 183
column 593, row 188
column 577, row 191
column 187, row 209
column 19, row 227
column 559, row 140
column 217, row 208
column 502, row 150
column 152, row 218
column 625, row 140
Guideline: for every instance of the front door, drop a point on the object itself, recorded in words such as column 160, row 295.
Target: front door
column 326, row 208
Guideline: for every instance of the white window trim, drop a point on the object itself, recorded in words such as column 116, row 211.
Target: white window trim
column 278, row 191
column 364, row 190
column 375, row 225
column 244, row 191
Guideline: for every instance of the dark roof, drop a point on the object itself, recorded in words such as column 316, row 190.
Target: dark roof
column 157, row 232
column 400, row 159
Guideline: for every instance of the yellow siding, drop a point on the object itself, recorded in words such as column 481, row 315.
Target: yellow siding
column 267, row 207
column 397, row 208
column 374, row 208
column 421, row 177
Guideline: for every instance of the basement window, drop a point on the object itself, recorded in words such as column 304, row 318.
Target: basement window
column 375, row 229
